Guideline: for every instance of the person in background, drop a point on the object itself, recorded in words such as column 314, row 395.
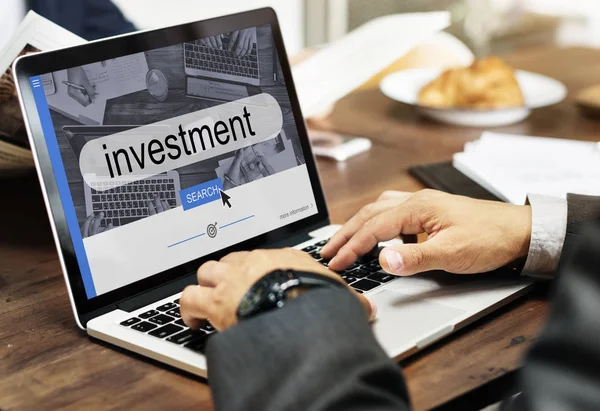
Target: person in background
column 96, row 19
column 316, row 351
column 90, row 19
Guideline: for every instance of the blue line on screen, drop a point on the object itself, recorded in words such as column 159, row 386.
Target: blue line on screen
column 63, row 185
column 200, row 235
column 187, row 239
column 235, row 222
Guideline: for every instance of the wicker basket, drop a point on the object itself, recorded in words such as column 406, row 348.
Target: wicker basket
column 7, row 86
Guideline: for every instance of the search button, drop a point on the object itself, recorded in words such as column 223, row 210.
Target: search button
column 201, row 194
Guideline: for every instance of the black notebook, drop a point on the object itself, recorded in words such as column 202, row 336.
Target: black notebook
column 444, row 177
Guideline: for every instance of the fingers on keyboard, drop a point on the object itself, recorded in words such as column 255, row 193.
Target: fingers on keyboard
column 165, row 322
column 364, row 275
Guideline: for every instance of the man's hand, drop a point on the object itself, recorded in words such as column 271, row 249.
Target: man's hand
column 78, row 77
column 215, row 42
column 264, row 166
column 92, row 225
column 234, row 176
column 242, row 41
column 464, row 235
column 157, row 205
column 223, row 284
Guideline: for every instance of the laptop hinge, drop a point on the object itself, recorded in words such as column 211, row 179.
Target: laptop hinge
column 296, row 238
column 156, row 294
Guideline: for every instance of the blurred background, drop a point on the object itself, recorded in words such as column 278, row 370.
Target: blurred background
column 486, row 26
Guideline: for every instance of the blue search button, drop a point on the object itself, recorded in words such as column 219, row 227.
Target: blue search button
column 201, row 194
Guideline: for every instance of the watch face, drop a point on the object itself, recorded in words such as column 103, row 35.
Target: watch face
column 266, row 294
column 251, row 300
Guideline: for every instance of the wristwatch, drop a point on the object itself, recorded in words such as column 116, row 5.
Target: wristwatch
column 273, row 290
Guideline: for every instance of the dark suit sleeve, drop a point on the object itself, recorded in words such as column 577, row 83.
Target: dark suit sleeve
column 581, row 210
column 316, row 353
column 562, row 370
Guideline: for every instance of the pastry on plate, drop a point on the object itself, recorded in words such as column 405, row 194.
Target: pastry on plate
column 487, row 83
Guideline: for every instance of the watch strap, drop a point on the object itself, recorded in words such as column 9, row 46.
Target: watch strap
column 274, row 288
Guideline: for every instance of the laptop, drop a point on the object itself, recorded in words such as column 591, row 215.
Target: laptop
column 202, row 60
column 218, row 73
column 244, row 184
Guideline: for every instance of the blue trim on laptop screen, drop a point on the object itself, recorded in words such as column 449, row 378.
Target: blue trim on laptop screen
column 63, row 186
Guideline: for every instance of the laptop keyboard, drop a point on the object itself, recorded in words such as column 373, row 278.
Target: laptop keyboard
column 164, row 321
column 362, row 276
column 128, row 203
column 201, row 57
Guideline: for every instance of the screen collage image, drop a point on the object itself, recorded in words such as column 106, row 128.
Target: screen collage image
column 167, row 155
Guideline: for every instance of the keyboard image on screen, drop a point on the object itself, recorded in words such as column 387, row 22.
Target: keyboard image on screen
column 201, row 60
column 129, row 202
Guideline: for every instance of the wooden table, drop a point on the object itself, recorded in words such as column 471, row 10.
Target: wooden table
column 47, row 363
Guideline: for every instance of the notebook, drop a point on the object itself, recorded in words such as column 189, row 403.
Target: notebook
column 511, row 166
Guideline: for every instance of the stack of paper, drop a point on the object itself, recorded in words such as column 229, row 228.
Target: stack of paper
column 512, row 166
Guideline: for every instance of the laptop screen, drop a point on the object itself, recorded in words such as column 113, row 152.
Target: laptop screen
column 170, row 154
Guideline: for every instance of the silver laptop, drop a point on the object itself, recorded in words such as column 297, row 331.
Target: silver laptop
column 124, row 283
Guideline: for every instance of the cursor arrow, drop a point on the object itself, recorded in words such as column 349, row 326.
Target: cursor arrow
column 225, row 198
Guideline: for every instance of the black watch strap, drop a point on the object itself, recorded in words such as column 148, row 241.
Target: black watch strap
column 315, row 280
column 271, row 290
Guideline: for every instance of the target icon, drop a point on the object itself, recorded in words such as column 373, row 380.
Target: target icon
column 211, row 230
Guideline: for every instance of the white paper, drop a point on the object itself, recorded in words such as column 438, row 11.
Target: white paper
column 512, row 166
column 342, row 66
column 279, row 161
column 112, row 78
column 40, row 33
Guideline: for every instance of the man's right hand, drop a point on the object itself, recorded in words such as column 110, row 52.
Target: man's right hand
column 464, row 235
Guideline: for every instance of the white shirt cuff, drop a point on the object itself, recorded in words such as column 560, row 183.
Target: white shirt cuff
column 548, row 231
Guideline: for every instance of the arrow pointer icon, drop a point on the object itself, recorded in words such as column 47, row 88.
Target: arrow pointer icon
column 225, row 198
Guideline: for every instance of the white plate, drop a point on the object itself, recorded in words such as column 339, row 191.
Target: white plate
column 538, row 91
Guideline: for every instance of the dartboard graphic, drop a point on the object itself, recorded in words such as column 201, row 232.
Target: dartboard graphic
column 211, row 230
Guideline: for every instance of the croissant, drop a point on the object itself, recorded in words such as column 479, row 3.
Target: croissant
column 488, row 83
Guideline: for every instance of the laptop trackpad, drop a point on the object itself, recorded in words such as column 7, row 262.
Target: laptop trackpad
column 404, row 320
